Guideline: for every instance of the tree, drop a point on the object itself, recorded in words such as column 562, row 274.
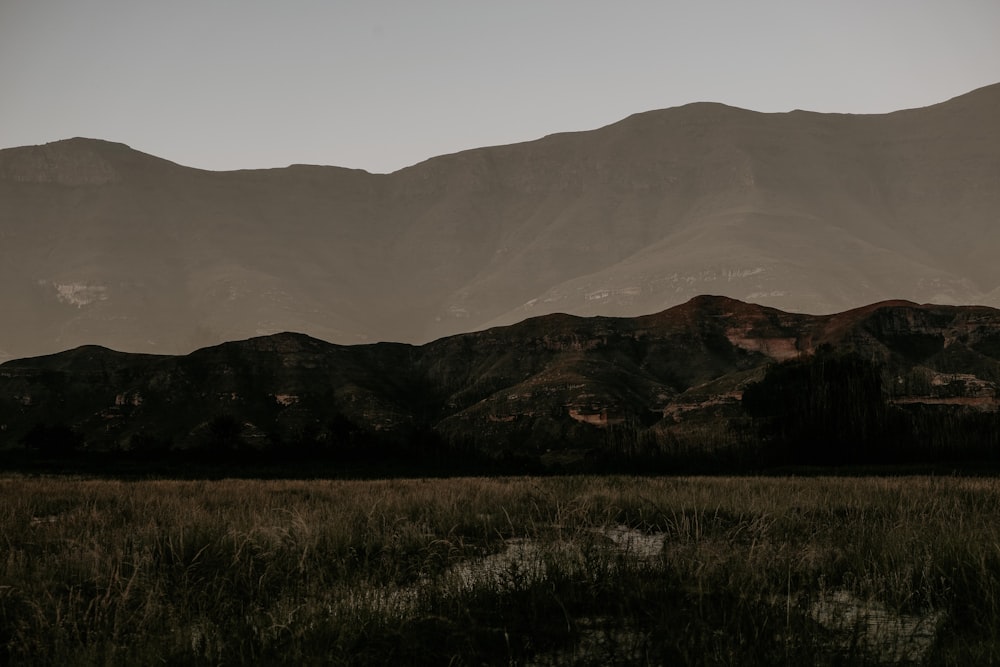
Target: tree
column 827, row 408
column 53, row 439
column 224, row 434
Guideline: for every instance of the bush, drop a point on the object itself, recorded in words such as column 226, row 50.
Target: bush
column 53, row 439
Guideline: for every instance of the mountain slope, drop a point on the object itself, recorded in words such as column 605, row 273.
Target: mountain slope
column 802, row 211
column 553, row 383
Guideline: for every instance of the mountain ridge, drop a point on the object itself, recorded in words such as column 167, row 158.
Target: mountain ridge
column 803, row 211
column 556, row 389
column 556, row 383
column 988, row 94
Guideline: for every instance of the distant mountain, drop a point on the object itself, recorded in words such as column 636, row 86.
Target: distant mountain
column 556, row 387
column 803, row 211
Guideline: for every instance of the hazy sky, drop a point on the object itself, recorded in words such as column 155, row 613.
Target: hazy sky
column 380, row 84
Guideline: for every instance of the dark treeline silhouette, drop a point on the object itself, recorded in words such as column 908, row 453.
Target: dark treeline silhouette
column 834, row 409
column 826, row 409
column 56, row 439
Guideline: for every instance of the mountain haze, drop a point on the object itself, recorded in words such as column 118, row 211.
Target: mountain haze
column 810, row 212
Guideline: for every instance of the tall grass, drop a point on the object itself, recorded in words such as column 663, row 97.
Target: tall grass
column 497, row 571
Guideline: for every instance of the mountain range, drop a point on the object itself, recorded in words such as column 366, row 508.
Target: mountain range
column 551, row 388
column 807, row 212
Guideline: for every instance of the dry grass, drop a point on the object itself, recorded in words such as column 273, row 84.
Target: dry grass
column 516, row 570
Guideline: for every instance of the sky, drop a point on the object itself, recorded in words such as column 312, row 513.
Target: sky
column 380, row 85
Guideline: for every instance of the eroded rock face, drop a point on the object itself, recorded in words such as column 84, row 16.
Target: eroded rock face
column 549, row 382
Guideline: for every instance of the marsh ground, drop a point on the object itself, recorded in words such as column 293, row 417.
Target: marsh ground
column 523, row 570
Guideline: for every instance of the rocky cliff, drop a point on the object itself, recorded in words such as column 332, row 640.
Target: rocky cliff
column 552, row 386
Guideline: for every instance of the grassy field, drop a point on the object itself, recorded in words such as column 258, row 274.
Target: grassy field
column 561, row 570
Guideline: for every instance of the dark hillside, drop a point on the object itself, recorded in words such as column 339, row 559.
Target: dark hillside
column 713, row 379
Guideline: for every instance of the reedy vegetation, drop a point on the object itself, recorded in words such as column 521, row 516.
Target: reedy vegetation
column 366, row 572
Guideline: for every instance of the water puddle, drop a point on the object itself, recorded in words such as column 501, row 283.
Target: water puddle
column 872, row 628
column 644, row 546
column 523, row 562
